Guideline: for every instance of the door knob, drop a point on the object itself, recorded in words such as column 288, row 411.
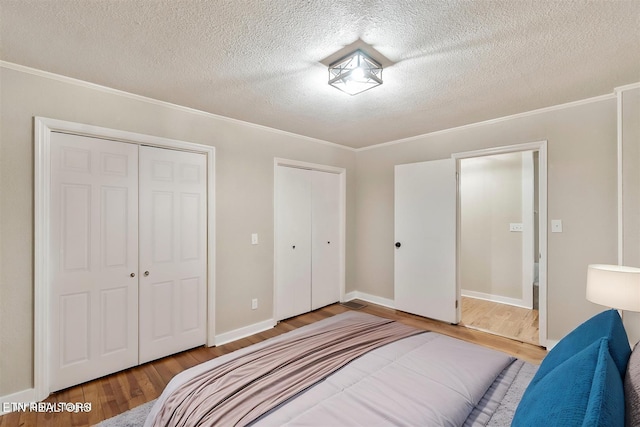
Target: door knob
column 133, row 275
column 146, row 273
column 398, row 244
column 294, row 246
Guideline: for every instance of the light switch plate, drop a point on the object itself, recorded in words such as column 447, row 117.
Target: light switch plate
column 254, row 239
column 556, row 226
column 516, row 226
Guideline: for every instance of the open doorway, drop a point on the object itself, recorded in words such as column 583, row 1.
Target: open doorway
column 499, row 242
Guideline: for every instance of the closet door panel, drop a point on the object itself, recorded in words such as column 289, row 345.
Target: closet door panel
column 172, row 251
column 293, row 247
column 325, row 234
column 94, row 251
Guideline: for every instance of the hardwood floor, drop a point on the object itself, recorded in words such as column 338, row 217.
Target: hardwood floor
column 117, row 393
column 508, row 321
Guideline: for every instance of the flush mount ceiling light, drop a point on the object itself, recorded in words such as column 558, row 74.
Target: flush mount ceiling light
column 355, row 73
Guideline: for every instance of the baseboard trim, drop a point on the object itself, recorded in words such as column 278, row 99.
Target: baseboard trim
column 550, row 344
column 7, row 403
column 244, row 332
column 373, row 299
column 495, row 298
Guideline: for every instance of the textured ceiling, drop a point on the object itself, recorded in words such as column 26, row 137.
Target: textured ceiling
column 454, row 62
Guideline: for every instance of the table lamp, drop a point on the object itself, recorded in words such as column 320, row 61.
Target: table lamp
column 614, row 286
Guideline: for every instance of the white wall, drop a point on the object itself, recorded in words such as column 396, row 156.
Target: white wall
column 490, row 199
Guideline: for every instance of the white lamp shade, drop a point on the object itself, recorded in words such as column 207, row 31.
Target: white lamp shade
column 614, row 286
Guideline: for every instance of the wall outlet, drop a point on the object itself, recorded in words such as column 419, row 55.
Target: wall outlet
column 516, row 226
column 254, row 239
column 254, row 303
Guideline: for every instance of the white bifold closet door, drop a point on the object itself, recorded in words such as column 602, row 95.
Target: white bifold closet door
column 94, row 258
column 325, row 232
column 128, row 255
column 173, row 251
column 293, row 252
column 307, row 251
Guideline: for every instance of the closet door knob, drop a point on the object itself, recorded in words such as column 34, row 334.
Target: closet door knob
column 398, row 244
column 294, row 246
column 328, row 243
column 146, row 273
column 133, row 275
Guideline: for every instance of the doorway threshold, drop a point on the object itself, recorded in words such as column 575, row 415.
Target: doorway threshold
column 498, row 334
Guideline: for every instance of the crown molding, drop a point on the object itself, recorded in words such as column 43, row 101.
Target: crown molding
column 94, row 86
column 627, row 87
column 493, row 121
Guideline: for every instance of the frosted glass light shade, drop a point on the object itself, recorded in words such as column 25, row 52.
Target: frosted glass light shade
column 614, row 286
column 355, row 73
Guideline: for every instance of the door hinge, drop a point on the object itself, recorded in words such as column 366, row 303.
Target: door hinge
column 456, row 303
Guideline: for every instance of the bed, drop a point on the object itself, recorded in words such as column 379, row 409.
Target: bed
column 356, row 369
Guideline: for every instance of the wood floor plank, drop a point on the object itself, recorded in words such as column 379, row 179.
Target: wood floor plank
column 130, row 389
column 91, row 391
column 114, row 394
column 202, row 354
column 20, row 419
column 80, row 418
column 186, row 359
column 512, row 322
column 154, row 383
column 167, row 369
column 108, row 401
column 27, row 419
column 120, row 397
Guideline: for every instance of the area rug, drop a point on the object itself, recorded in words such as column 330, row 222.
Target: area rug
column 132, row 418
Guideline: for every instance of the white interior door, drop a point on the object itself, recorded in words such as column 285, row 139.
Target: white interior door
column 425, row 232
column 293, row 243
column 94, row 258
column 173, row 251
column 325, row 234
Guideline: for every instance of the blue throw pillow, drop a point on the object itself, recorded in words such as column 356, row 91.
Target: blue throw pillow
column 607, row 324
column 606, row 400
column 584, row 390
